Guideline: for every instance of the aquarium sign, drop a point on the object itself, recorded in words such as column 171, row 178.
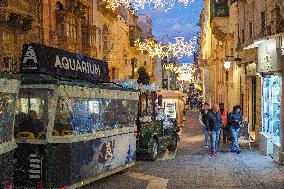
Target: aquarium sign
column 62, row 64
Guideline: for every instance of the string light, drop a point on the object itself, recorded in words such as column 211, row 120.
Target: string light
column 179, row 49
column 140, row 4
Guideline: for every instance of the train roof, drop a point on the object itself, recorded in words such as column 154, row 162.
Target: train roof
column 9, row 75
column 46, row 79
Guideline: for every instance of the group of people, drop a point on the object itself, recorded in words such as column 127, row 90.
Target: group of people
column 216, row 122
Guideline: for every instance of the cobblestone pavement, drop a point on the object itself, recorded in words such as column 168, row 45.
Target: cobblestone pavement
column 192, row 167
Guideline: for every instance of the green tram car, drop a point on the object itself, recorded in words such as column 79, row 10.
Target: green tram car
column 72, row 126
column 9, row 87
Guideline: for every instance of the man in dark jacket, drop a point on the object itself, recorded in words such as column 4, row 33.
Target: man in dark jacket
column 204, row 121
column 235, row 121
column 215, row 125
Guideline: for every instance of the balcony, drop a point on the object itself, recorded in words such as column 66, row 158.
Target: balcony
column 220, row 27
column 220, row 19
column 219, row 9
column 89, row 40
column 19, row 14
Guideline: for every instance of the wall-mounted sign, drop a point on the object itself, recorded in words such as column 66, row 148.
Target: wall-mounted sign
column 267, row 57
column 251, row 69
column 42, row 59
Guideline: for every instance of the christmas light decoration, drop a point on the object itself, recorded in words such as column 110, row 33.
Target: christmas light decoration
column 140, row 4
column 186, row 72
column 171, row 67
column 179, row 49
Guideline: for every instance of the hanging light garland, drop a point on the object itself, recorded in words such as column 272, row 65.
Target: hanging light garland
column 179, row 49
column 140, row 4
column 186, row 72
column 171, row 67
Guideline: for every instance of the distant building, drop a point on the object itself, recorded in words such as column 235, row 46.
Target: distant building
column 145, row 23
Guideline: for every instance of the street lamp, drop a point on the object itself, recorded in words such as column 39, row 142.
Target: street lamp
column 227, row 65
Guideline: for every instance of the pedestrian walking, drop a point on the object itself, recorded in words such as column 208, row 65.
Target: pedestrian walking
column 235, row 121
column 224, row 118
column 215, row 125
column 204, row 121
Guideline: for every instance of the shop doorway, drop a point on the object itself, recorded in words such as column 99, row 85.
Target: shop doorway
column 253, row 100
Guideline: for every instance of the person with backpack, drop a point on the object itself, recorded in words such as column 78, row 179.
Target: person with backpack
column 215, row 125
column 235, row 121
column 224, row 117
column 204, row 121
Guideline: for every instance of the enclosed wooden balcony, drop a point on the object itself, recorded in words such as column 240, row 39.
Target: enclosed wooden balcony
column 19, row 14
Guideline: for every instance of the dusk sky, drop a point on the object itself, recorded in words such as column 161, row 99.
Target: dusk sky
column 180, row 21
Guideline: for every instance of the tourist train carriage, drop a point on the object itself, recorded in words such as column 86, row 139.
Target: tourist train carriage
column 71, row 132
column 9, row 87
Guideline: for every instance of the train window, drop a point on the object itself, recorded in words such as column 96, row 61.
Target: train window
column 7, row 102
column 79, row 116
column 32, row 113
column 63, row 116
column 133, row 110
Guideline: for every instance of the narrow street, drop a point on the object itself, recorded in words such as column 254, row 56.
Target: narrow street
column 192, row 167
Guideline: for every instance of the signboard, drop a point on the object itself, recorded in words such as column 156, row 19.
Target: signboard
column 244, row 131
column 170, row 109
column 59, row 63
column 267, row 57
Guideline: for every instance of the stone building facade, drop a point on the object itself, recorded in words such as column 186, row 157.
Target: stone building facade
column 250, row 38
column 20, row 23
column 85, row 27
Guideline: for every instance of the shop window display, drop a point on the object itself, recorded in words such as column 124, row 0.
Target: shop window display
column 271, row 107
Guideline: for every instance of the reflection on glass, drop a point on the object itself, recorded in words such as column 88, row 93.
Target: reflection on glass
column 32, row 113
column 7, row 105
column 79, row 116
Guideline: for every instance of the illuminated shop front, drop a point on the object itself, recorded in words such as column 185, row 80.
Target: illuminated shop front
column 271, row 108
column 269, row 65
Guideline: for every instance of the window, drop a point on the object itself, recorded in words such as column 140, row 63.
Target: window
column 85, row 37
column 100, row 40
column 32, row 113
column 243, row 35
column 263, row 22
column 282, row 45
column 114, row 73
column 81, row 116
column 93, row 37
column 71, row 28
column 250, row 30
column 59, row 18
column 7, row 105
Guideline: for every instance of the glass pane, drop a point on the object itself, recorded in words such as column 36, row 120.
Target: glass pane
column 133, row 110
column 63, row 116
column 7, row 105
column 271, row 106
column 32, row 113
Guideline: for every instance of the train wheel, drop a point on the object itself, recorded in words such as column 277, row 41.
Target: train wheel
column 173, row 146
